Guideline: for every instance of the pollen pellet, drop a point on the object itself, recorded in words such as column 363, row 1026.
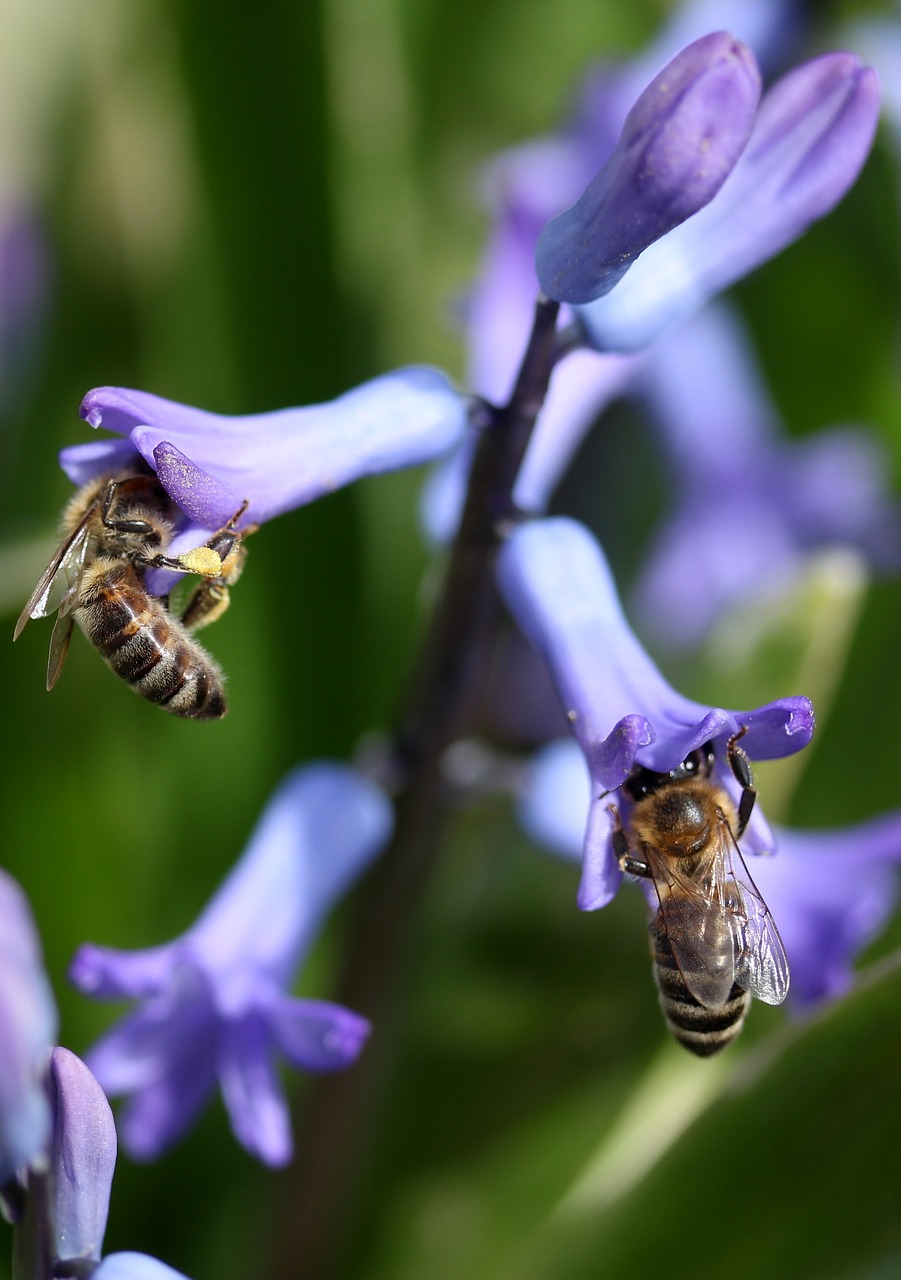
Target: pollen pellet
column 202, row 560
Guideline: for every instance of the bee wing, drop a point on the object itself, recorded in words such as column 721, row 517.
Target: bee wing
column 57, row 587
column 694, row 914
column 761, row 965
column 59, row 646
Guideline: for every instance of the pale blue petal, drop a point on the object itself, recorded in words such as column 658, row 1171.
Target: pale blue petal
column 319, row 831
column 556, row 581
column 135, row 1266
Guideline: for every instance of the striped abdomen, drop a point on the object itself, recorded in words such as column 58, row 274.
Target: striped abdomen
column 699, row 1028
column 144, row 645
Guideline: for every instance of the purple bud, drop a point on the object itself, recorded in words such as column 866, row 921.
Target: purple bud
column 678, row 145
column 82, row 1157
column 813, row 132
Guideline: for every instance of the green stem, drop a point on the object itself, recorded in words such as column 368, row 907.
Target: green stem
column 334, row 1141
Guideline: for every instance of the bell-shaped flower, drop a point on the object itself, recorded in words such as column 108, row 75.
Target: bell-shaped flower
column 830, row 892
column 729, row 465
column 812, row 134
column 211, row 464
column 27, row 1034
column 556, row 582
column 678, row 145
column 215, row 1003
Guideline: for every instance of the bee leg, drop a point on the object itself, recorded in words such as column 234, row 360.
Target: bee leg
column 122, row 526
column 622, row 852
column 211, row 598
column 207, row 602
column 741, row 771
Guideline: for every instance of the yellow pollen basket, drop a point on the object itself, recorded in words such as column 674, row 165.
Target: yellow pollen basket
column 202, row 560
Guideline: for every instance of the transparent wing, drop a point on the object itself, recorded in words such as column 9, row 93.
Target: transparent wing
column 761, row 965
column 59, row 646
column 694, row 913
column 57, row 587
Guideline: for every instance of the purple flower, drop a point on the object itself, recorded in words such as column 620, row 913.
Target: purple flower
column 214, row 1003
column 82, row 1160
column 27, row 1033
column 678, row 145
column 830, row 892
column 558, row 586
column 210, row 464
column 525, row 187
column 729, row 469
column 812, row 134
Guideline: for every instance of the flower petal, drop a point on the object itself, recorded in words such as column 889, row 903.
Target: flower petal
column 135, row 1266
column 553, row 576
column 281, row 460
column 111, row 974
column 831, row 892
column 317, row 1035
column 253, row 1096
column 324, row 824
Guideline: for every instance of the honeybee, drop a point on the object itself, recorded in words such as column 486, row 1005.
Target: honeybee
column 714, row 941
column 115, row 529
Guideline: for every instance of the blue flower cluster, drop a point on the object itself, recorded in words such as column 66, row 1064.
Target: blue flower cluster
column 676, row 176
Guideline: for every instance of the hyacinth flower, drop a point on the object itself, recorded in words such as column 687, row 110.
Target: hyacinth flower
column 556, row 582
column 728, row 466
column 524, row 188
column 678, row 145
column 27, row 1033
column 812, row 134
column 82, row 1160
column 211, row 464
column 214, row 1004
column 830, row 892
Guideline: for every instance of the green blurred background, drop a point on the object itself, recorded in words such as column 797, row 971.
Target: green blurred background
column 253, row 206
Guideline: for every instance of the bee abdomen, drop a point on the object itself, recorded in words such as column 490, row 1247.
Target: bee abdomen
column 149, row 649
column 697, row 1027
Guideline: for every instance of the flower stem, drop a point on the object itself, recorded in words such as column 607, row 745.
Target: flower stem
column 340, row 1121
column 33, row 1233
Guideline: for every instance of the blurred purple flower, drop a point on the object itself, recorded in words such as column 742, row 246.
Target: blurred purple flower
column 678, row 145
column 210, row 463
column 25, row 273
column 214, row 1002
column 27, row 1033
column 813, row 132
column 729, row 471
column 830, row 892
column 558, row 586
column 82, row 1160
